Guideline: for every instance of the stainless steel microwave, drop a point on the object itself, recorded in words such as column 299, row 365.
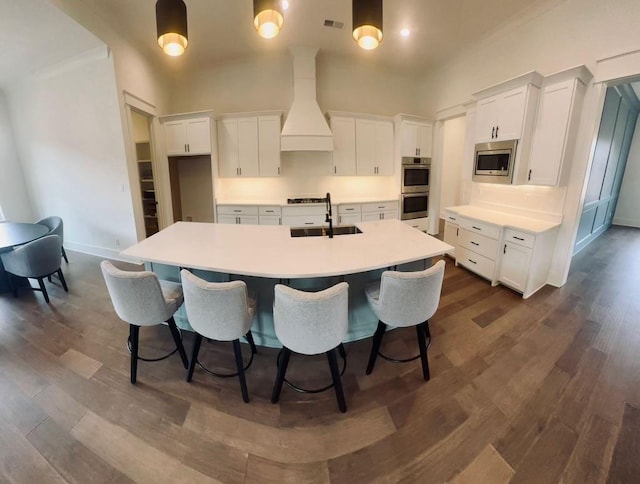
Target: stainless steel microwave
column 494, row 161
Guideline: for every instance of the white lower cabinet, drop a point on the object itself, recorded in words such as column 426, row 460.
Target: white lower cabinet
column 349, row 214
column 451, row 231
column 477, row 247
column 421, row 224
column 525, row 260
column 304, row 216
column 269, row 214
column 237, row 214
column 380, row 211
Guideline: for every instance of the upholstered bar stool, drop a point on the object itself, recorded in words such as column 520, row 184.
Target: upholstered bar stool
column 311, row 323
column 141, row 299
column 403, row 299
column 220, row 311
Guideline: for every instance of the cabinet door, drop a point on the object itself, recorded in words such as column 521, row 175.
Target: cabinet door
column 384, row 148
column 389, row 215
column 349, row 218
column 451, row 233
column 550, row 135
column 366, row 161
column 515, row 265
column 409, row 136
column 228, row 147
column 269, row 220
column 248, row 157
column 228, row 219
column 511, row 109
column 269, row 145
column 370, row 216
column 344, row 146
column 425, row 140
column 248, row 220
column 486, row 119
column 175, row 137
column 198, row 136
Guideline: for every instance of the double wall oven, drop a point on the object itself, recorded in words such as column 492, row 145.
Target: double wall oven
column 415, row 188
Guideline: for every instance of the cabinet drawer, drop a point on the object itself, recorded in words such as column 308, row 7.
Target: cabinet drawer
column 303, row 220
column 237, row 210
column 349, row 208
column 379, row 206
column 520, row 238
column 297, row 210
column 475, row 262
column 478, row 227
column 478, row 243
column 270, row 210
column 451, row 217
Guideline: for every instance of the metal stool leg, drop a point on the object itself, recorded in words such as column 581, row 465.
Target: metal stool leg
column 337, row 383
column 282, row 370
column 134, row 331
column 237, row 349
column 377, row 339
column 176, row 338
column 423, row 351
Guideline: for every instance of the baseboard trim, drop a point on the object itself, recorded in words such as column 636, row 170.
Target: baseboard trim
column 104, row 252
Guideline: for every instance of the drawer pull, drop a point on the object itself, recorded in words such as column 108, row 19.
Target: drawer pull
column 518, row 238
column 269, row 211
column 474, row 227
column 238, row 211
column 504, row 251
column 381, row 206
column 474, row 243
column 472, row 261
column 453, row 218
column 349, row 209
column 308, row 223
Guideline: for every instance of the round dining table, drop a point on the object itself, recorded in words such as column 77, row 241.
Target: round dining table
column 13, row 234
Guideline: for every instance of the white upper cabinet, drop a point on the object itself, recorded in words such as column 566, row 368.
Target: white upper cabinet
column 556, row 126
column 506, row 111
column 249, row 146
column 344, row 145
column 374, row 147
column 417, row 139
column 191, row 136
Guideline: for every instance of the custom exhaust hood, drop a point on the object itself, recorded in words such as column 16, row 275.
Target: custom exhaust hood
column 305, row 128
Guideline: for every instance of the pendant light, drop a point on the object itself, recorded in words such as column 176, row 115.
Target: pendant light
column 268, row 17
column 171, row 22
column 367, row 23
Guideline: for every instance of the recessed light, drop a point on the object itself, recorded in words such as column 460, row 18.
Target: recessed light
column 405, row 32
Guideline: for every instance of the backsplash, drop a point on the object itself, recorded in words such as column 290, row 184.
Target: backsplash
column 540, row 202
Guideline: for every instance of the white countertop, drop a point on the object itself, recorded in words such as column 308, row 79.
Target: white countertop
column 503, row 219
column 283, row 202
column 270, row 251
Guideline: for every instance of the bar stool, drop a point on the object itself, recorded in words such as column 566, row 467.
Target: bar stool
column 311, row 323
column 221, row 311
column 403, row 299
column 141, row 299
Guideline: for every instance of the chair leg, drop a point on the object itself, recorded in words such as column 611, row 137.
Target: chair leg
column 62, row 281
column 282, row 370
column 237, row 349
column 43, row 289
column 423, row 351
column 194, row 356
column 64, row 255
column 342, row 351
column 337, row 383
column 375, row 347
column 176, row 338
column 252, row 343
column 134, row 331
column 12, row 284
column 49, row 278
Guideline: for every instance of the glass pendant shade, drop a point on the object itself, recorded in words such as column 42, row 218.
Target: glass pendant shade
column 268, row 19
column 171, row 23
column 367, row 23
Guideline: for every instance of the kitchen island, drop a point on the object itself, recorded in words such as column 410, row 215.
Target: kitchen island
column 266, row 255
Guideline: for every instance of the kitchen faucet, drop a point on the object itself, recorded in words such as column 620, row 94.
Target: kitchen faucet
column 328, row 217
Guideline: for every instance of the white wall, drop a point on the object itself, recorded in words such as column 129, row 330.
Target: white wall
column 576, row 32
column 627, row 212
column 452, row 162
column 14, row 199
column 69, row 137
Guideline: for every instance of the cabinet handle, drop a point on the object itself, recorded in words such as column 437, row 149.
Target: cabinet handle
column 308, row 223
column 518, row 238
column 238, row 211
column 504, row 251
column 472, row 261
column 529, row 179
column 497, row 128
column 477, row 228
column 185, row 147
column 457, row 231
column 237, row 220
column 452, row 218
column 278, row 170
column 240, row 170
column 339, row 219
column 269, row 211
column 382, row 206
column 335, row 170
column 493, row 132
column 475, row 243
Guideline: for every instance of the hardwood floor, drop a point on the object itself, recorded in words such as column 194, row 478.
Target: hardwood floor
column 543, row 390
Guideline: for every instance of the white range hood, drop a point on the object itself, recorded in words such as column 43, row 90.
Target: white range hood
column 305, row 128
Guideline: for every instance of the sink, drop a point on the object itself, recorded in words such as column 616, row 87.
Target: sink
column 321, row 231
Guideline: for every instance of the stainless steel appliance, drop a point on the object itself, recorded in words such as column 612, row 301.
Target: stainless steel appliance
column 415, row 175
column 494, row 161
column 414, row 205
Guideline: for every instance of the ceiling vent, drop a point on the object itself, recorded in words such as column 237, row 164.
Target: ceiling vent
column 333, row 24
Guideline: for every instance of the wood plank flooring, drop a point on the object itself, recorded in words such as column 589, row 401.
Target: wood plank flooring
column 543, row 390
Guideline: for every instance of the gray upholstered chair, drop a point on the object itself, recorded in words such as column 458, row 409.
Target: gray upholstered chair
column 37, row 259
column 55, row 227
column 141, row 299
column 311, row 323
column 220, row 311
column 404, row 299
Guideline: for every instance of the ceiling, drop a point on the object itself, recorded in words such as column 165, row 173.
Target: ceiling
column 34, row 34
